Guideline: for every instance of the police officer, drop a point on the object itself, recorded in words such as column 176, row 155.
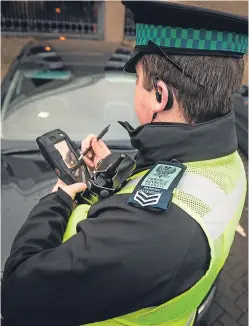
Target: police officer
column 149, row 254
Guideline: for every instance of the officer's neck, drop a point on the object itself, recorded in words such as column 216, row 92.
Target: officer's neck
column 174, row 115
column 164, row 141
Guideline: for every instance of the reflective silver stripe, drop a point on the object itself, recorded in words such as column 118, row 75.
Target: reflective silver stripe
column 218, row 218
column 223, row 206
column 201, row 188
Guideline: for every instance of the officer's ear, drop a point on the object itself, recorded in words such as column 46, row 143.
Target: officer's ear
column 164, row 96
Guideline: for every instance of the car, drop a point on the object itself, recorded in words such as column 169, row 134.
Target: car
column 66, row 85
column 50, row 85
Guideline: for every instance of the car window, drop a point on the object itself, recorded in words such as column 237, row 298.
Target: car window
column 26, row 83
column 41, row 100
column 78, row 94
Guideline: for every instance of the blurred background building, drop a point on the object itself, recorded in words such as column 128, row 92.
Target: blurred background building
column 86, row 20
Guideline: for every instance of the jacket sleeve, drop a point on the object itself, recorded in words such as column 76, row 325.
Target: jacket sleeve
column 82, row 280
column 121, row 260
column 43, row 229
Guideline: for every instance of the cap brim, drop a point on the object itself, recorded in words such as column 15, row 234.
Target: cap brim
column 130, row 65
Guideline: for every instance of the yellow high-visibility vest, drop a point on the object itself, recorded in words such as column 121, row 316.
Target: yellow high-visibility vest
column 213, row 193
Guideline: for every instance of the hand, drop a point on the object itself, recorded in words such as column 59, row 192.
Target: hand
column 71, row 190
column 98, row 152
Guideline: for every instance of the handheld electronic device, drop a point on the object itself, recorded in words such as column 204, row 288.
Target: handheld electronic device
column 62, row 155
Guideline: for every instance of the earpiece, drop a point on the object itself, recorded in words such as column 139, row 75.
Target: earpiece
column 159, row 96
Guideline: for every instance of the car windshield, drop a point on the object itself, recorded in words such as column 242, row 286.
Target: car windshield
column 42, row 98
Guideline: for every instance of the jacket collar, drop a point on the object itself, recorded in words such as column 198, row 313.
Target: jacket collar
column 183, row 142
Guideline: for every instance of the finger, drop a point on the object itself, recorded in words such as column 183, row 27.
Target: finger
column 86, row 143
column 89, row 140
column 88, row 162
column 104, row 147
column 100, row 152
column 96, row 146
column 73, row 189
column 83, row 146
column 77, row 187
column 89, row 154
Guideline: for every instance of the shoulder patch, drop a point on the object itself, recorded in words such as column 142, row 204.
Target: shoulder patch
column 154, row 191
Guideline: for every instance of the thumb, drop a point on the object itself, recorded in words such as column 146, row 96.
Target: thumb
column 73, row 189
column 77, row 187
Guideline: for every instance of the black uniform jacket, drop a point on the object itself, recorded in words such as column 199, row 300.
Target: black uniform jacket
column 123, row 258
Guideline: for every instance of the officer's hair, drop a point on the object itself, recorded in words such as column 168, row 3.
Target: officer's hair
column 221, row 76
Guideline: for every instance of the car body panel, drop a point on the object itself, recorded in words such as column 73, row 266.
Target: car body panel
column 24, row 181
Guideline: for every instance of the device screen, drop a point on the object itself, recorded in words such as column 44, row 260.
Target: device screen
column 70, row 160
column 67, row 156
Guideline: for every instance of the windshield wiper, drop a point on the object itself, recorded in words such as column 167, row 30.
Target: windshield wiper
column 25, row 150
column 13, row 151
column 115, row 145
